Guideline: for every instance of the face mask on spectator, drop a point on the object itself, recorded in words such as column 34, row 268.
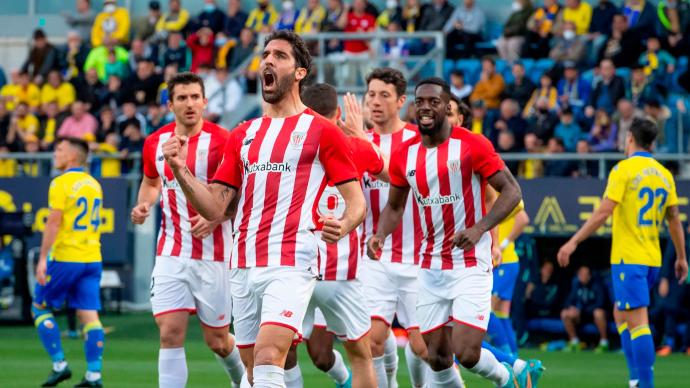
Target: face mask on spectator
column 391, row 4
column 109, row 8
column 288, row 6
column 516, row 6
column 209, row 7
column 221, row 40
column 569, row 34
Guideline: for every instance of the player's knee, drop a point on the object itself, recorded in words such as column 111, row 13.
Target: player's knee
column 171, row 336
column 469, row 356
column 599, row 314
column 267, row 355
column 323, row 359
column 219, row 345
column 439, row 360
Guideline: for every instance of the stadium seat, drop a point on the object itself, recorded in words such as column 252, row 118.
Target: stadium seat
column 448, row 66
column 492, row 31
column 471, row 68
column 540, row 67
column 625, row 73
column 588, row 76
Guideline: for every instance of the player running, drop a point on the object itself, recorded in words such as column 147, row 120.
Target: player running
column 640, row 193
column 277, row 165
column 191, row 273
column 447, row 168
column 69, row 265
column 390, row 284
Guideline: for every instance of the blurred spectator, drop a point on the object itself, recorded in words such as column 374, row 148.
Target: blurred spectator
column 89, row 88
column 142, row 87
column 129, row 115
column 99, row 58
column 263, row 17
column 82, row 20
column 57, row 90
column 30, row 167
column 175, row 20
column 334, row 9
column 132, row 139
column 464, row 28
column 155, row 118
column 506, row 143
column 20, row 89
column 435, row 15
column 43, row 57
column 235, row 19
column 138, row 50
column 577, row 12
column 211, row 16
column 356, row 52
column 22, row 124
column 115, row 67
column 145, row 26
column 624, row 116
column 106, row 124
column 643, row 88
column 460, row 114
column 391, row 14
column 163, row 97
column 223, row 93
column 114, row 94
column 311, row 17
column 604, row 133
column 602, row 18
column 176, row 53
column 480, row 122
column 5, row 117
column 567, row 130
column 80, row 124
column 411, row 16
column 543, row 298
column 624, row 46
column 540, row 30
column 673, row 21
column 569, row 46
column 112, row 166
column 113, row 22
column 49, row 123
column 573, row 92
column 608, row 91
column 509, row 120
column 641, row 16
column 585, row 168
column 585, row 304
column 558, row 168
column 509, row 45
column 543, row 120
column 660, row 114
column 458, row 86
column 201, row 44
column 395, row 48
column 546, row 91
column 490, row 86
column 244, row 49
column 532, row 168
column 657, row 62
column 522, row 87
column 287, row 17
column 73, row 56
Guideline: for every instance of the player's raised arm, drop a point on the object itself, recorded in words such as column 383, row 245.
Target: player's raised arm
column 389, row 219
column 598, row 218
column 675, row 229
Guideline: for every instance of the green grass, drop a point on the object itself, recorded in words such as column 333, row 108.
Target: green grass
column 130, row 360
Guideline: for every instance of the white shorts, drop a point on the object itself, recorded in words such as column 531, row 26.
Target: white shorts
column 337, row 306
column 454, row 296
column 196, row 286
column 269, row 295
column 391, row 289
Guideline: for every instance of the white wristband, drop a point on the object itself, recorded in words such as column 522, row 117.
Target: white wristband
column 504, row 244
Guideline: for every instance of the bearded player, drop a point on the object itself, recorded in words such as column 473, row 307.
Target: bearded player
column 191, row 274
column 277, row 165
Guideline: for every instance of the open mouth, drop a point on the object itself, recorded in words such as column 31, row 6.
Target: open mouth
column 269, row 79
column 426, row 120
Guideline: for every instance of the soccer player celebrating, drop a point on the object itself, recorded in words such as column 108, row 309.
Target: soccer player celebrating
column 640, row 193
column 69, row 264
column 192, row 273
column 390, row 284
column 277, row 165
column 447, row 168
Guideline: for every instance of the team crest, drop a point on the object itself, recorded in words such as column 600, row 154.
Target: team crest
column 297, row 139
column 454, row 166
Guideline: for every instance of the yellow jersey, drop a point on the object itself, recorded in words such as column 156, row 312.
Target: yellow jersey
column 643, row 190
column 504, row 228
column 80, row 198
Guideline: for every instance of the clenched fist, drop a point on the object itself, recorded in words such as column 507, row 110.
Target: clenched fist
column 175, row 151
column 140, row 213
column 374, row 246
column 332, row 229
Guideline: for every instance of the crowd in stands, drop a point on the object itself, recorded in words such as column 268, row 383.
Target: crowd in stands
column 551, row 78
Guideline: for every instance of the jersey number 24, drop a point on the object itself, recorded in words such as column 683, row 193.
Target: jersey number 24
column 95, row 220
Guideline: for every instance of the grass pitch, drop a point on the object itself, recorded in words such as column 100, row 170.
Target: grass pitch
column 131, row 359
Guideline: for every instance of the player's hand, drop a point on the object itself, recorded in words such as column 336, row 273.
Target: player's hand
column 332, row 229
column 140, row 213
column 663, row 287
column 354, row 120
column 565, row 252
column 41, row 269
column 681, row 267
column 201, row 227
column 467, row 239
column 173, row 151
column 374, row 246
column 496, row 256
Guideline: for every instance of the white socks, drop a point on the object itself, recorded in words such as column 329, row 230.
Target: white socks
column 338, row 372
column 447, row 378
column 172, row 368
column 245, row 382
column 417, row 367
column 59, row 366
column 518, row 366
column 390, row 354
column 293, row 378
column 269, row 376
column 92, row 376
column 380, row 370
column 489, row 368
column 233, row 365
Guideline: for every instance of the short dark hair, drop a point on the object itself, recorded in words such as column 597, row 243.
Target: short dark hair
column 558, row 141
column 465, row 111
column 458, row 73
column 78, row 143
column 184, row 78
column 322, row 98
column 389, row 76
column 644, row 132
column 435, row 81
column 299, row 49
column 490, row 59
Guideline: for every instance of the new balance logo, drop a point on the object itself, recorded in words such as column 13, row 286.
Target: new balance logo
column 480, row 317
column 161, row 158
column 267, row 167
column 286, row 313
column 411, row 173
column 248, row 141
column 221, row 317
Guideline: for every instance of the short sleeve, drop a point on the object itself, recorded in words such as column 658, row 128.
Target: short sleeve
column 149, row 158
column 615, row 188
column 229, row 171
column 396, row 168
column 366, row 157
column 485, row 159
column 56, row 195
column 336, row 156
column 672, row 195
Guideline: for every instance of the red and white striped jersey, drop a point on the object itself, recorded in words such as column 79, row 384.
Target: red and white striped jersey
column 280, row 167
column 402, row 246
column 448, row 184
column 204, row 152
column 339, row 261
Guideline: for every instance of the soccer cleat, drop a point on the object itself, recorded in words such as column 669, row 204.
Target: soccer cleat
column 512, row 379
column 664, row 351
column 601, row 348
column 56, row 378
column 536, row 370
column 348, row 382
column 86, row 383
